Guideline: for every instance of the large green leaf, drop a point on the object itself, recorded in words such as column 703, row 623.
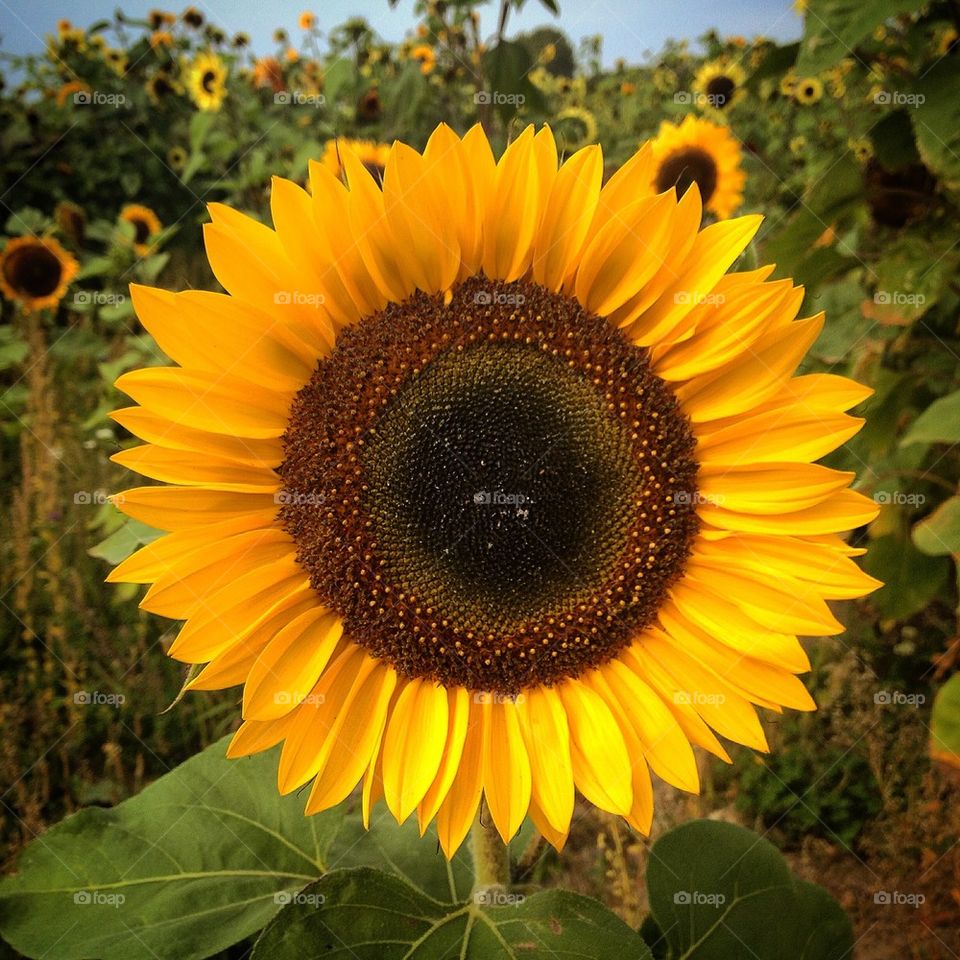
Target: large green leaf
column 197, row 861
column 911, row 579
column 939, row 423
column 364, row 914
column 939, row 533
column 936, row 120
column 945, row 723
column 833, row 28
column 719, row 891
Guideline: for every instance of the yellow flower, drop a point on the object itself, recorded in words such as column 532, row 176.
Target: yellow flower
column 703, row 153
column 291, row 55
column 36, row 271
column 808, row 90
column 425, row 56
column 161, row 38
column 406, row 517
column 268, row 72
column 161, row 85
column 206, row 81
column 788, row 83
column 117, row 61
column 177, row 158
column 798, row 145
column 576, row 127
column 373, row 156
column 861, row 147
column 146, row 225
column 307, row 20
column 627, row 88
column 76, row 91
column 192, row 17
column 718, row 85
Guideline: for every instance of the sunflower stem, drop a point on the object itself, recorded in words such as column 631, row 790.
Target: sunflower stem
column 491, row 864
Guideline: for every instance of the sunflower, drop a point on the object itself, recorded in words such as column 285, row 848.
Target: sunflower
column 161, row 38
column 177, row 158
column 207, row 81
column 307, row 20
column 369, row 107
column 76, row 91
column 707, row 154
column 192, row 17
column 719, row 84
column 268, row 72
column 372, row 155
column 425, row 56
column 808, row 90
column 36, row 271
column 71, row 220
column 491, row 483
column 146, row 225
column 116, row 60
column 576, row 127
column 161, row 85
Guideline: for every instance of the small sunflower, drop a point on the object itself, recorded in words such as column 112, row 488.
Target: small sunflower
column 425, row 56
column 177, row 158
column 291, row 55
column 161, row 86
column 192, row 17
column 405, row 516
column 371, row 155
column 788, row 83
column 71, row 220
column 369, row 107
column 707, row 154
column 161, row 39
column 808, row 90
column 36, row 271
column 575, row 127
column 719, row 84
column 146, row 225
column 307, row 20
column 116, row 60
column 207, row 81
column 267, row 71
column 157, row 19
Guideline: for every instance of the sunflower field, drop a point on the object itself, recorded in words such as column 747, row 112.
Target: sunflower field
column 465, row 499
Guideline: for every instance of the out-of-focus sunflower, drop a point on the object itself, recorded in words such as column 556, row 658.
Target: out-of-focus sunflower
column 707, row 154
column 808, row 90
column 861, row 147
column 177, row 158
column 372, row 155
column 36, row 271
column 76, row 91
column 71, row 220
column 575, row 127
column 406, row 517
column 425, row 56
column 291, row 55
column 369, row 107
column 207, row 81
column 719, row 84
column 267, row 71
column 161, row 39
column 158, row 19
column 146, row 225
column 162, row 85
column 307, row 20
column 788, row 83
column 116, row 60
column 192, row 17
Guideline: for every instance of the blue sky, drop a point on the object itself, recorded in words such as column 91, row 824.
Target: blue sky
column 630, row 28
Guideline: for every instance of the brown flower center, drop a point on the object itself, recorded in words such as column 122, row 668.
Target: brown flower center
column 33, row 271
column 720, row 90
column 687, row 166
column 493, row 493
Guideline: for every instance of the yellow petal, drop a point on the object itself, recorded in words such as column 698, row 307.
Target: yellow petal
column 178, row 508
column 208, row 470
column 459, row 718
column 459, row 807
column 543, row 722
column 506, row 768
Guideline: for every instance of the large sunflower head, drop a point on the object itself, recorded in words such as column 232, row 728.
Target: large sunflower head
column 699, row 152
column 207, row 81
column 490, row 482
column 36, row 271
column 372, row 155
column 719, row 84
column 146, row 225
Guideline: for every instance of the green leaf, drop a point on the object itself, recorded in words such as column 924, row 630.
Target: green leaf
column 911, row 579
column 936, row 120
column 507, row 69
column 719, row 891
column 945, row 723
column 939, row 533
column 832, row 28
column 939, row 423
column 200, row 124
column 123, row 541
column 196, row 862
column 363, row 914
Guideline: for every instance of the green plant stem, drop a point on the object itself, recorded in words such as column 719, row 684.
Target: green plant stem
column 491, row 865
